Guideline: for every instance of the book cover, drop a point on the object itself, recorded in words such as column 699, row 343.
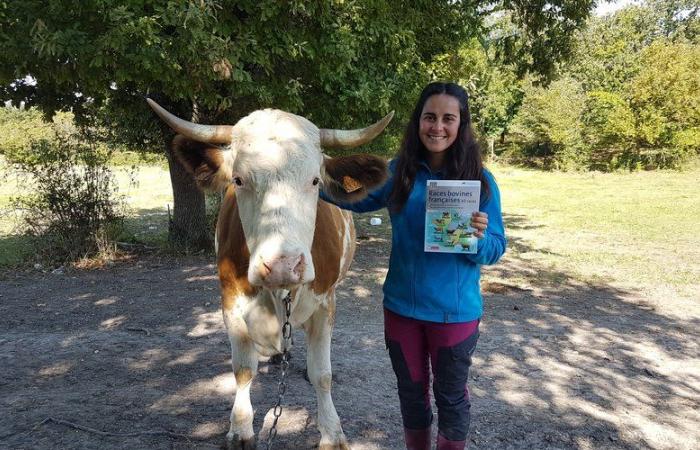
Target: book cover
column 448, row 214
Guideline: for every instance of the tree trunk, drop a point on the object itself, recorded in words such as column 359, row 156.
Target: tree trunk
column 188, row 226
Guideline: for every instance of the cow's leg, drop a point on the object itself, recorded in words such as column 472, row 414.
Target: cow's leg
column 244, row 358
column 318, row 336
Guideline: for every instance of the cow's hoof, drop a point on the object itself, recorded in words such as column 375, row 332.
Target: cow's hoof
column 236, row 443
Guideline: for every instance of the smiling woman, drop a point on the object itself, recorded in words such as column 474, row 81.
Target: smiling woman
column 439, row 125
column 432, row 301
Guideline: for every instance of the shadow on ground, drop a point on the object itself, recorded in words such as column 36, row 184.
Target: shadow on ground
column 141, row 347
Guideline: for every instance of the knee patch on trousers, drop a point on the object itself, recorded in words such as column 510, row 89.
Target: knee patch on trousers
column 450, row 388
column 415, row 406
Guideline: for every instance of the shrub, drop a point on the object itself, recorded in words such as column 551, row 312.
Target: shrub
column 20, row 127
column 74, row 212
column 608, row 131
column 548, row 124
column 665, row 99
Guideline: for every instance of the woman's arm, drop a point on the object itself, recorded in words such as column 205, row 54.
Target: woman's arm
column 492, row 245
column 375, row 200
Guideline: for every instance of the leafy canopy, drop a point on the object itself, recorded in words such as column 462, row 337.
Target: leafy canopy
column 340, row 63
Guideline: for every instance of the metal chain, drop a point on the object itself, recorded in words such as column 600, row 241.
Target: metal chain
column 282, row 384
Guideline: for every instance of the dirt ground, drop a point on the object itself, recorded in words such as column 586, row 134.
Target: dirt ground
column 140, row 348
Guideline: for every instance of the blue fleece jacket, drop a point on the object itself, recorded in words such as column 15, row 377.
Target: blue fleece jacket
column 436, row 287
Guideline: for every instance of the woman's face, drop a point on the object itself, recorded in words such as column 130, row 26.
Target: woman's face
column 439, row 123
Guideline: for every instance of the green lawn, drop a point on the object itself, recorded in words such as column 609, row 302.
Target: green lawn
column 627, row 229
column 631, row 230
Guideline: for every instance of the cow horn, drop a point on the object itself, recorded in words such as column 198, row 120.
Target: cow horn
column 353, row 138
column 210, row 134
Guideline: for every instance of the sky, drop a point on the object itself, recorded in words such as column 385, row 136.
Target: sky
column 608, row 7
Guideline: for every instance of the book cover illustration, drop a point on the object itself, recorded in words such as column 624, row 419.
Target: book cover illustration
column 448, row 214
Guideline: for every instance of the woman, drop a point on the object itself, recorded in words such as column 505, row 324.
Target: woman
column 432, row 301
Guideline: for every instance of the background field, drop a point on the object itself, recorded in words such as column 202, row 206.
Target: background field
column 628, row 230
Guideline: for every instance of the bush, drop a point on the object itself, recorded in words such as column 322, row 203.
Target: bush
column 20, row 127
column 74, row 212
column 608, row 131
column 665, row 99
column 548, row 125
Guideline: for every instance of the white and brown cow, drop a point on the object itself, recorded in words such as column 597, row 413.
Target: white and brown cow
column 274, row 236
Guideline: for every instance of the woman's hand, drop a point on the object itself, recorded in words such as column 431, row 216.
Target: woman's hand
column 480, row 220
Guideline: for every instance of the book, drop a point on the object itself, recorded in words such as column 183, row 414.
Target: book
column 448, row 213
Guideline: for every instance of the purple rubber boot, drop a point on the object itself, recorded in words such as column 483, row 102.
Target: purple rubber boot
column 417, row 439
column 444, row 444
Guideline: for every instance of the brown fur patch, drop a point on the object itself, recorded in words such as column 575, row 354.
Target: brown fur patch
column 204, row 161
column 243, row 376
column 234, row 256
column 327, row 246
column 350, row 178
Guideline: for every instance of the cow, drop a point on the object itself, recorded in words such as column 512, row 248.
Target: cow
column 275, row 237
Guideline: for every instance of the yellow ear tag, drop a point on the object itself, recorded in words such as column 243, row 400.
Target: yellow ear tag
column 350, row 184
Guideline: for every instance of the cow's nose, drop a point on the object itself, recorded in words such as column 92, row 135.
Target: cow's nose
column 282, row 270
column 300, row 265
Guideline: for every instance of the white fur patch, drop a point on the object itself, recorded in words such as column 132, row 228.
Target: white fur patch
column 277, row 159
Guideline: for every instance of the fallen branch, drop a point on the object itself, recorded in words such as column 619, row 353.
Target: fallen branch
column 148, row 333
column 122, row 435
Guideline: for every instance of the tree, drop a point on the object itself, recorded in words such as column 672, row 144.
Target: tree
column 606, row 51
column 340, row 63
column 631, row 96
column 549, row 123
column 608, row 130
column 665, row 99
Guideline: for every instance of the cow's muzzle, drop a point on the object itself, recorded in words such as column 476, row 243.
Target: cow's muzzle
column 282, row 271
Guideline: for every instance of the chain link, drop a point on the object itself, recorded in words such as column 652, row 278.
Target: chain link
column 284, row 365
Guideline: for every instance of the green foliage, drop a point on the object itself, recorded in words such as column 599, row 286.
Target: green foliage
column 548, row 124
column 535, row 35
column 637, row 72
column 73, row 212
column 608, row 130
column 493, row 89
column 19, row 128
column 340, row 63
column 606, row 52
column 665, row 97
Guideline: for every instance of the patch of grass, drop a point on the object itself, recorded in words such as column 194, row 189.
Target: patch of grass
column 14, row 249
column 633, row 230
column 148, row 195
column 630, row 229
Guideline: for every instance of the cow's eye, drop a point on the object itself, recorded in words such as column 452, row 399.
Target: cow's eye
column 238, row 181
column 316, row 181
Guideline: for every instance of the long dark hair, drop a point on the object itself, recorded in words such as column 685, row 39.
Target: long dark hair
column 462, row 158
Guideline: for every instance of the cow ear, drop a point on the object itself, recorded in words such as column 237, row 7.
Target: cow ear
column 351, row 178
column 210, row 165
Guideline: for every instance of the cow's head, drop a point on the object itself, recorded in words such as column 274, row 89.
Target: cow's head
column 276, row 162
